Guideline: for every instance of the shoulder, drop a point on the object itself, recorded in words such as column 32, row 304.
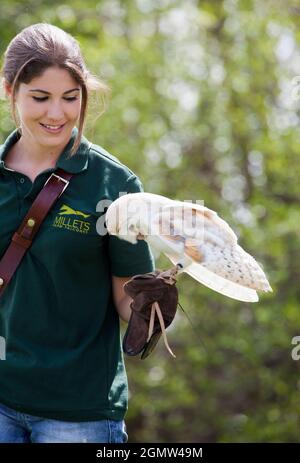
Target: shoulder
column 98, row 154
column 106, row 172
column 109, row 164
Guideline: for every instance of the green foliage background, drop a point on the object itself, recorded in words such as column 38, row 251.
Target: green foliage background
column 204, row 105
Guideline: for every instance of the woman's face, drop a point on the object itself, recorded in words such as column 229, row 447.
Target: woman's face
column 48, row 108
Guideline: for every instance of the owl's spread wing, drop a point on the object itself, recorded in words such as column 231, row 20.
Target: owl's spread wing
column 214, row 258
column 200, row 216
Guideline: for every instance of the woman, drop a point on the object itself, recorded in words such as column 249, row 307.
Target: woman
column 63, row 377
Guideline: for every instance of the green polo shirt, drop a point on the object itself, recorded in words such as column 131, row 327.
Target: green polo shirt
column 63, row 356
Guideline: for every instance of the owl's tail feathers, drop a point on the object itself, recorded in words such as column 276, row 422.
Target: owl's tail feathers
column 218, row 283
column 221, row 285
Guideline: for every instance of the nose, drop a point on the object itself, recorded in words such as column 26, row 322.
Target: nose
column 55, row 112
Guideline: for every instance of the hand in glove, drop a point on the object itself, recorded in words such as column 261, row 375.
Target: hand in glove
column 154, row 305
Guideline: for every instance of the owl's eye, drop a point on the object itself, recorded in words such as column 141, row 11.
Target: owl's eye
column 131, row 227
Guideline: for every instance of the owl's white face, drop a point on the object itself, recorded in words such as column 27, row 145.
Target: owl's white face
column 130, row 231
column 124, row 222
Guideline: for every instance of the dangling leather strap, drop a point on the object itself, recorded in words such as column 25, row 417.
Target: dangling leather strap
column 23, row 237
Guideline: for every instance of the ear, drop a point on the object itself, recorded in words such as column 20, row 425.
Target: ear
column 7, row 87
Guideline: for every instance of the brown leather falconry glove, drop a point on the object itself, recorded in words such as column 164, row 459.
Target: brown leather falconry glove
column 154, row 305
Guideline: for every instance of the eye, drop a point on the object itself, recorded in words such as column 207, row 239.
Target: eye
column 40, row 99
column 44, row 98
column 131, row 227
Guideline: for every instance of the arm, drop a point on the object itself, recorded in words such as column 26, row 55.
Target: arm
column 121, row 299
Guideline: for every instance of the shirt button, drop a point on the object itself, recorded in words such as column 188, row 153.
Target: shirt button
column 22, row 180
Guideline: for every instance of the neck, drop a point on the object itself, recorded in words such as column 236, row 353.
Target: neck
column 32, row 154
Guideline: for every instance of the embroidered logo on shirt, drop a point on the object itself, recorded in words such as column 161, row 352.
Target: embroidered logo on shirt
column 72, row 224
column 67, row 210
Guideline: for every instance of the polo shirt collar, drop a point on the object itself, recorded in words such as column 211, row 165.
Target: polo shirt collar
column 74, row 164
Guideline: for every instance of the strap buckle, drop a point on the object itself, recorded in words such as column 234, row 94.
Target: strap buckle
column 59, row 179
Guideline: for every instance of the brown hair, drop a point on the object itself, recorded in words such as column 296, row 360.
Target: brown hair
column 41, row 46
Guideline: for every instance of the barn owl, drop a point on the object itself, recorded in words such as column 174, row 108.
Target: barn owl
column 194, row 238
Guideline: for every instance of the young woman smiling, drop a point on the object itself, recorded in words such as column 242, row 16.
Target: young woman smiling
column 63, row 378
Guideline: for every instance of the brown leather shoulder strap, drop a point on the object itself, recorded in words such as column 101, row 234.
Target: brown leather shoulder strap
column 23, row 237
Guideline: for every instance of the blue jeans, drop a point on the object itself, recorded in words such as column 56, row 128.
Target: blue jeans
column 24, row 428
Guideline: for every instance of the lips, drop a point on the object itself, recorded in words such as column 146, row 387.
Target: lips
column 52, row 128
